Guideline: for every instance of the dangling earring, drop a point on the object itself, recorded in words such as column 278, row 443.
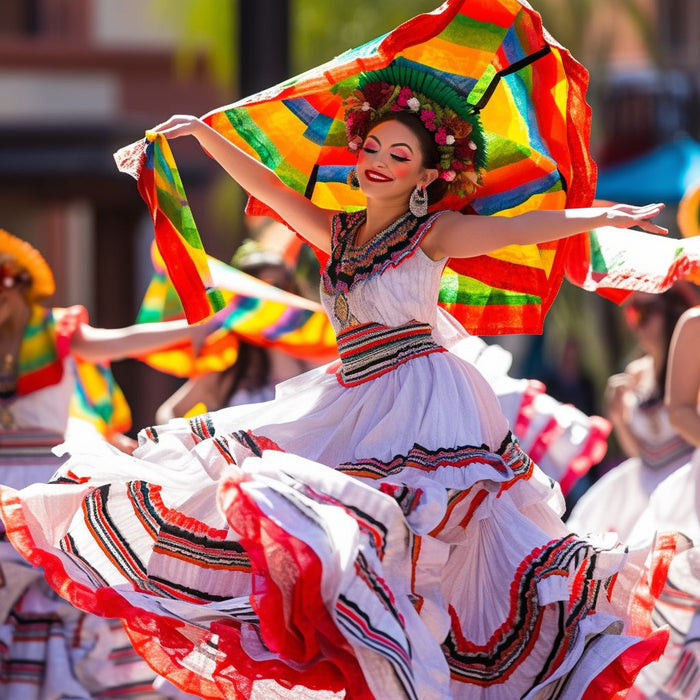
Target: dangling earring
column 353, row 182
column 418, row 203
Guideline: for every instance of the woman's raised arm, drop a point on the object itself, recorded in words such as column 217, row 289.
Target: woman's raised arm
column 312, row 222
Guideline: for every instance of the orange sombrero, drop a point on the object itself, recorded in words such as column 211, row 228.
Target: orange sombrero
column 30, row 259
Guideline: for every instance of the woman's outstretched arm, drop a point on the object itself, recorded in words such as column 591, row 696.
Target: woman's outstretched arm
column 105, row 344
column 456, row 235
column 310, row 221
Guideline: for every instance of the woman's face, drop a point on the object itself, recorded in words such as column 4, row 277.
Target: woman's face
column 390, row 162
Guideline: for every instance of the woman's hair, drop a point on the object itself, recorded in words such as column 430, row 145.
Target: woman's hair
column 431, row 156
column 252, row 367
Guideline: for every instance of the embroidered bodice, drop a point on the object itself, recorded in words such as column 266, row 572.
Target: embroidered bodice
column 387, row 280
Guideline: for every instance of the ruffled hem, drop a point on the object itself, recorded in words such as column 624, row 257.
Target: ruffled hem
column 344, row 595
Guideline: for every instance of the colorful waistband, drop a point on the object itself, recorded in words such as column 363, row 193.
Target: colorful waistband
column 369, row 350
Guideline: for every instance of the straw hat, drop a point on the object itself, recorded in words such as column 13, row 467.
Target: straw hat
column 30, row 259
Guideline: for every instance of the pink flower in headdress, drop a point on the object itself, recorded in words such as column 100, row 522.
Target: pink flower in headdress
column 404, row 96
column 441, row 136
column 427, row 116
column 448, row 175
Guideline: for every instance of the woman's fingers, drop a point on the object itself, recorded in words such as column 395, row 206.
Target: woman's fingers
column 640, row 216
column 177, row 125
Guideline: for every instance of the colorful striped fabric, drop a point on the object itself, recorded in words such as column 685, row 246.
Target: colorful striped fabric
column 369, row 350
column 615, row 262
column 255, row 312
column 159, row 183
column 529, row 92
column 99, row 400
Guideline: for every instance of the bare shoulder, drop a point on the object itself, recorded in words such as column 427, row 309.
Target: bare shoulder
column 433, row 244
column 689, row 323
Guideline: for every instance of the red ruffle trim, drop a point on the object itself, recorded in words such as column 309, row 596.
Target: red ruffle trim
column 614, row 682
column 304, row 631
column 307, row 636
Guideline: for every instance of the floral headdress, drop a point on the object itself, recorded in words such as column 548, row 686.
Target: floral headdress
column 25, row 256
column 453, row 123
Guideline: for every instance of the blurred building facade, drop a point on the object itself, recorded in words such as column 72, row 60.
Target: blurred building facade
column 651, row 92
column 80, row 79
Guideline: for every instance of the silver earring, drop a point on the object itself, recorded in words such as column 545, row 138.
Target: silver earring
column 418, row 203
column 353, row 182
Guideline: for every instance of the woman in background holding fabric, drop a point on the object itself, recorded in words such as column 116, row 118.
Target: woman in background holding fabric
column 675, row 504
column 640, row 419
column 257, row 369
column 49, row 648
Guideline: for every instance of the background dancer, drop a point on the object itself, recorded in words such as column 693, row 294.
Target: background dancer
column 48, row 646
column 640, row 419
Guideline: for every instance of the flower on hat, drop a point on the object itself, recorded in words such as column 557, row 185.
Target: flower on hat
column 442, row 111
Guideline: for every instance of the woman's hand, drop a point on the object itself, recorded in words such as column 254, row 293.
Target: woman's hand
column 256, row 179
column 626, row 216
column 180, row 125
column 617, row 391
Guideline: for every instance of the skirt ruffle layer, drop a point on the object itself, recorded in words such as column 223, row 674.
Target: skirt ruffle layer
column 308, row 578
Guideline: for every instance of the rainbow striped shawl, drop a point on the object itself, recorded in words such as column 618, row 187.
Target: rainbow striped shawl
column 254, row 312
column 530, row 94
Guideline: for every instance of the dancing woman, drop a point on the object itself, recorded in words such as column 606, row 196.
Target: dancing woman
column 374, row 530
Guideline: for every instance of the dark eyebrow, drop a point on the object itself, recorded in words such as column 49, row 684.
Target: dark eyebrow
column 393, row 145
